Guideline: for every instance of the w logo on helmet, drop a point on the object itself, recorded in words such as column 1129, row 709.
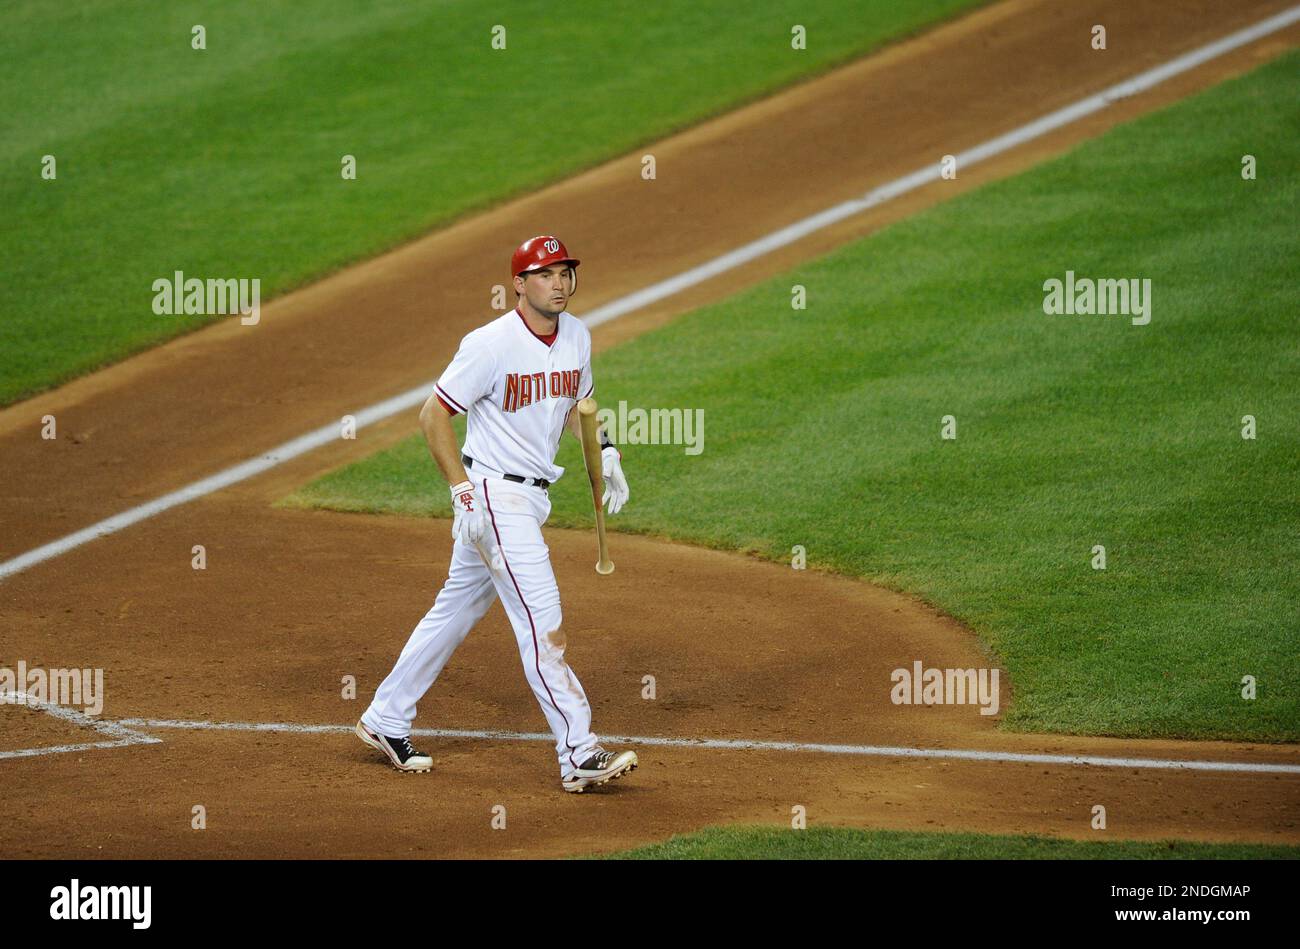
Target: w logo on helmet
column 538, row 252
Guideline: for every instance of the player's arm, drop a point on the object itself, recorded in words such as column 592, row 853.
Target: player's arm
column 616, row 491
column 468, row 524
column 435, row 420
column 574, row 425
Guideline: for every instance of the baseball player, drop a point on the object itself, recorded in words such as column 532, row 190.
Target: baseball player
column 517, row 379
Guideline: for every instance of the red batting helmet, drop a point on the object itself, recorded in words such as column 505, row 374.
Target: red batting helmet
column 538, row 252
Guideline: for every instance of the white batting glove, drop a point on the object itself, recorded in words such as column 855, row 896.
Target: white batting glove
column 467, row 525
column 611, row 469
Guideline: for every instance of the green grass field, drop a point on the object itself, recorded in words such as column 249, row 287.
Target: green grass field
column 823, row 425
column 776, row 843
column 226, row 162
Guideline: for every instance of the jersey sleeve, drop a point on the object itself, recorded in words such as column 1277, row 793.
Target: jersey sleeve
column 469, row 377
column 586, row 384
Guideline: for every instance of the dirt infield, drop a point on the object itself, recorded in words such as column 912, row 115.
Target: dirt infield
column 293, row 601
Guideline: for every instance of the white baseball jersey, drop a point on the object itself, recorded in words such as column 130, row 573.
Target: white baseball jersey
column 517, row 391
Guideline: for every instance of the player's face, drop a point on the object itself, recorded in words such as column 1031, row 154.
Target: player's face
column 548, row 289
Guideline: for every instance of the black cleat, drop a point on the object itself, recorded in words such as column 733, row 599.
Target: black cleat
column 399, row 750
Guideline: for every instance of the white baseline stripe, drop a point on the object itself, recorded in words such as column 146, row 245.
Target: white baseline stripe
column 931, row 173
column 882, row 751
column 222, row 479
column 729, row 261
column 62, row 749
column 119, row 733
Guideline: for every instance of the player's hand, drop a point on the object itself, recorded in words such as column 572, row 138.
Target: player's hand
column 611, row 469
column 468, row 524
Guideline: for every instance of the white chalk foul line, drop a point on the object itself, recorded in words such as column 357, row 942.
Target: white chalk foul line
column 222, row 479
column 674, row 285
column 730, row 744
column 931, row 173
column 119, row 734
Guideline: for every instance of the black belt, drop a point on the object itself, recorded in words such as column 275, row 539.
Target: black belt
column 468, row 462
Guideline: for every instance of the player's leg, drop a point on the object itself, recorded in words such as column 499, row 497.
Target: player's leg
column 526, row 584
column 461, row 603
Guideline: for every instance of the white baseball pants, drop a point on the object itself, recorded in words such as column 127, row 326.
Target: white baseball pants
column 513, row 564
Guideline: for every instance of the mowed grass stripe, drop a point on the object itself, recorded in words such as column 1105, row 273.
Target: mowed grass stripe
column 225, row 162
column 835, row 843
column 822, row 426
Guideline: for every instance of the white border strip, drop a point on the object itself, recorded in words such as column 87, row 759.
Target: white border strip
column 931, row 173
column 881, row 751
column 666, row 288
column 222, row 479
column 118, row 732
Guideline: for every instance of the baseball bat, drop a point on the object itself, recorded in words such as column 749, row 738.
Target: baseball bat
column 591, row 456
